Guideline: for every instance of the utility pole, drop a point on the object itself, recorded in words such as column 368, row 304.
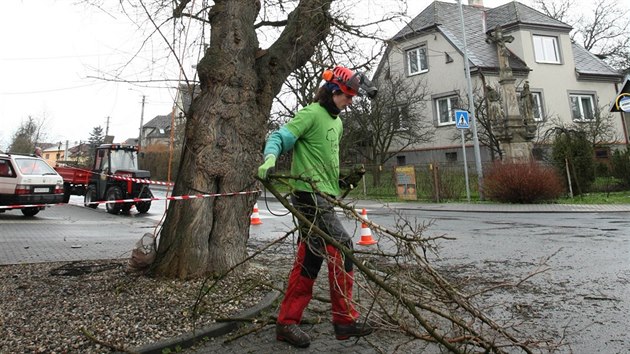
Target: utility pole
column 107, row 126
column 141, row 123
column 471, row 107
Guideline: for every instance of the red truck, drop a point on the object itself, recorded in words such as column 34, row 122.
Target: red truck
column 101, row 184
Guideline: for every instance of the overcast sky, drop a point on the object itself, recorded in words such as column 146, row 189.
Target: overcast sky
column 51, row 52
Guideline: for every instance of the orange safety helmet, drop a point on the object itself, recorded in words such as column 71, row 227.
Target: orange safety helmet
column 343, row 77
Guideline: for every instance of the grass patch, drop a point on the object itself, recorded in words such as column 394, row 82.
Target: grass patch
column 605, row 190
column 598, row 198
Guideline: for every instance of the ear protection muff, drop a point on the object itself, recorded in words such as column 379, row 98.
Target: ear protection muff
column 327, row 75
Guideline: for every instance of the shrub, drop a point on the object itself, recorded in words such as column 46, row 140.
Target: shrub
column 620, row 166
column 573, row 147
column 527, row 182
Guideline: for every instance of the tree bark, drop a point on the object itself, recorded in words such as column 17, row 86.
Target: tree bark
column 225, row 135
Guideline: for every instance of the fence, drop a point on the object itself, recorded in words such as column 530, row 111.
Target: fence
column 433, row 182
column 436, row 182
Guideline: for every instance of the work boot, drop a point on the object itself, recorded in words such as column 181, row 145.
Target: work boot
column 345, row 331
column 293, row 335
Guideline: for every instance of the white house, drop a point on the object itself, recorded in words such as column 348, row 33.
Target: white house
column 568, row 83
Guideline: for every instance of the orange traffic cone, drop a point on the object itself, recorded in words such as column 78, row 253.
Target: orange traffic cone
column 366, row 233
column 255, row 218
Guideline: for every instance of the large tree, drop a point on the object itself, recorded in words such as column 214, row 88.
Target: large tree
column 226, row 128
column 224, row 134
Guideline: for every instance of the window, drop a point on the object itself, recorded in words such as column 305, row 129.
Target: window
column 448, row 58
column 602, row 153
column 451, row 156
column 34, row 167
column 5, row 169
column 582, row 107
column 445, row 108
column 400, row 118
column 546, row 49
column 401, row 160
column 537, row 108
column 417, row 60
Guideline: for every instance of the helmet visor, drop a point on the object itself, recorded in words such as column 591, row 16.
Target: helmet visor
column 360, row 84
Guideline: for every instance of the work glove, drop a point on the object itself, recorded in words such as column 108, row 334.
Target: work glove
column 352, row 179
column 270, row 163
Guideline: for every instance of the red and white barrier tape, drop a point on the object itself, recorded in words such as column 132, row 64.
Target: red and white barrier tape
column 137, row 180
column 136, row 200
column 20, row 206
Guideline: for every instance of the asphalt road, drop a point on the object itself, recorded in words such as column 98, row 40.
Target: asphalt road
column 582, row 298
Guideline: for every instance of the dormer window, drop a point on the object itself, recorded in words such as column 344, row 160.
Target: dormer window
column 417, row 60
column 546, row 49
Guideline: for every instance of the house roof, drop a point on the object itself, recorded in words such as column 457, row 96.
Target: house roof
column 587, row 64
column 81, row 148
column 514, row 13
column 54, row 148
column 158, row 122
column 130, row 141
column 161, row 126
column 445, row 18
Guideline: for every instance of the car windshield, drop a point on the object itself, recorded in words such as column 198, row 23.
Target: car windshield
column 30, row 166
column 123, row 160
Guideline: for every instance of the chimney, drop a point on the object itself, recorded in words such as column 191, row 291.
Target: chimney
column 476, row 3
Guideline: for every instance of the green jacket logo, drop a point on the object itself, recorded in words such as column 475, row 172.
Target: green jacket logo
column 331, row 136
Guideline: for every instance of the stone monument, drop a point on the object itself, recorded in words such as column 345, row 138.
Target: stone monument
column 513, row 130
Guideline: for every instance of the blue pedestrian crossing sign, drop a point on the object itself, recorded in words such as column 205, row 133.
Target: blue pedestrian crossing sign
column 461, row 120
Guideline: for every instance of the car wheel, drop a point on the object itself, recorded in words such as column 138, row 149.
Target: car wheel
column 66, row 194
column 90, row 196
column 143, row 207
column 113, row 193
column 30, row 211
column 126, row 208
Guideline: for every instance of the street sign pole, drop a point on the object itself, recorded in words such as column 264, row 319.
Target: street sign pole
column 465, row 166
column 471, row 106
column 462, row 122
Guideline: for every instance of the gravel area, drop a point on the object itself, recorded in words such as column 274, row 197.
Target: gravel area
column 95, row 306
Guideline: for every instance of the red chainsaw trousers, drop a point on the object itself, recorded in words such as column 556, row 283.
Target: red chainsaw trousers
column 300, row 287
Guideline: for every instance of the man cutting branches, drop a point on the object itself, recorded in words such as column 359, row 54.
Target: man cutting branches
column 314, row 134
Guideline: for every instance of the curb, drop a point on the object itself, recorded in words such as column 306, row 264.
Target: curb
column 187, row 340
column 522, row 208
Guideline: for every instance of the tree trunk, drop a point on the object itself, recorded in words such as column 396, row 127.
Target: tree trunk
column 225, row 135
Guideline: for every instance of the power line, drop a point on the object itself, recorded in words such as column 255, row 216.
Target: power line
column 49, row 90
column 69, row 56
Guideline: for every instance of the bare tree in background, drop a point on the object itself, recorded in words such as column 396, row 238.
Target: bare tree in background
column 301, row 86
column 603, row 32
column 599, row 130
column 378, row 129
column 484, row 126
